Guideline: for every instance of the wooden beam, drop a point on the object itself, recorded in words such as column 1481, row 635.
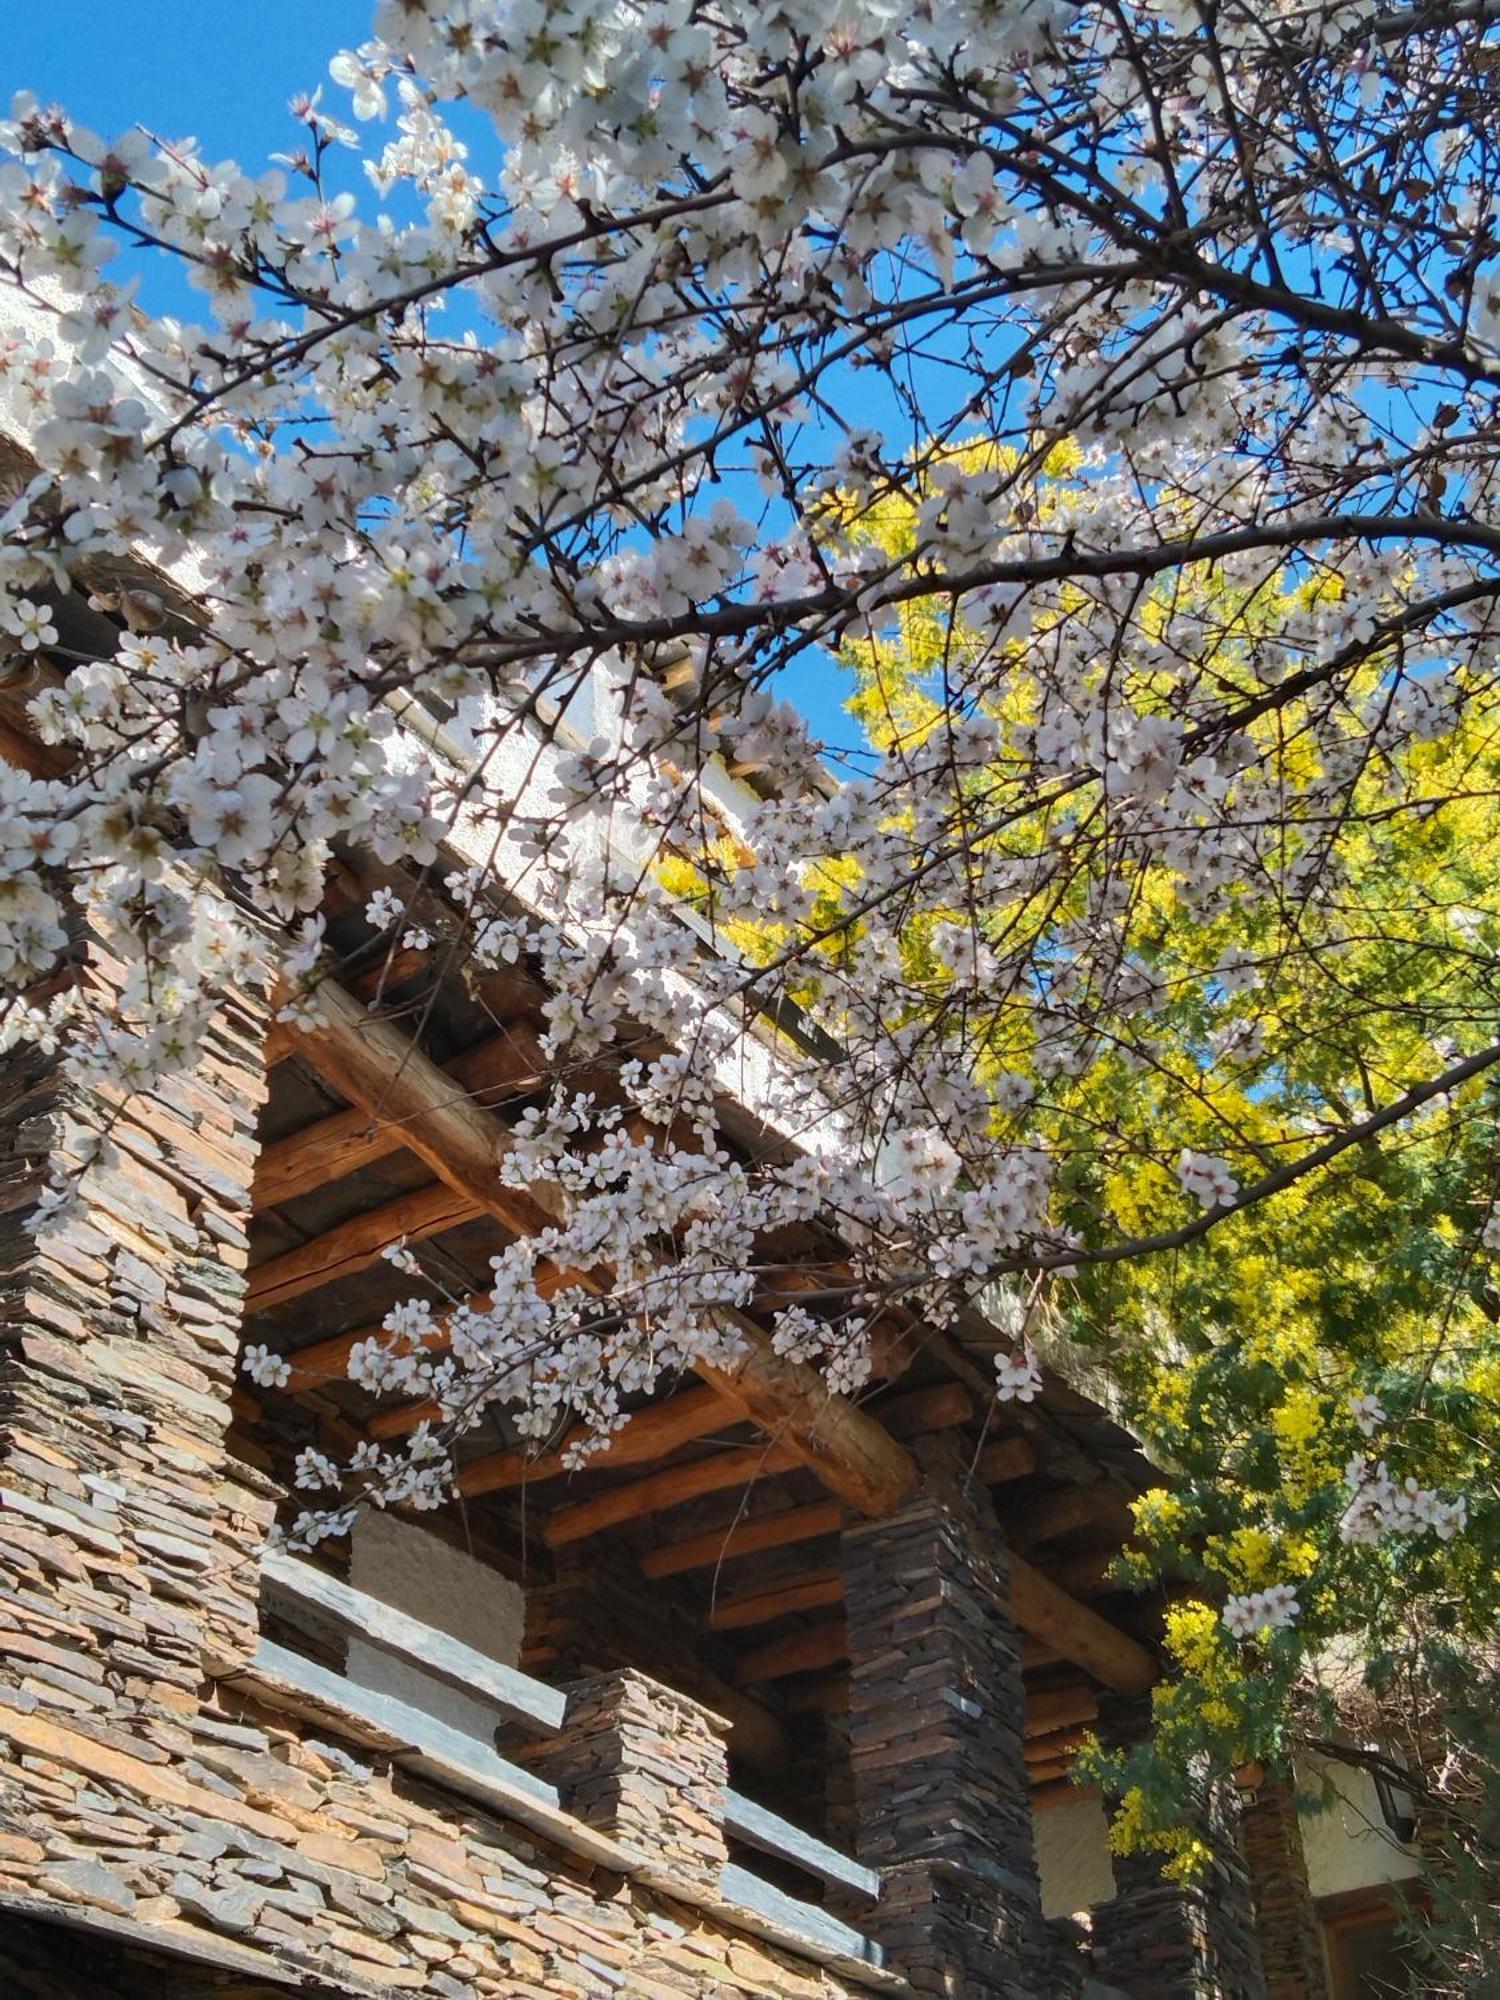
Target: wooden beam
column 354, row 1245
column 799, row 1653
column 324, row 1361
column 852, row 1453
column 764, row 1607
column 651, row 1433
column 1086, row 1575
column 744, row 1538
column 1007, row 1458
column 1062, row 1743
column 1078, row 1634
column 330, row 1148
column 383, row 1073
column 905, row 1416
column 1063, row 1513
column 1035, row 1654
column 919, row 1411
column 1049, row 1770
column 736, row 1465
column 378, row 1068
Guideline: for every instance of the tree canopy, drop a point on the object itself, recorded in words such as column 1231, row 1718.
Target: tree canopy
column 1114, row 385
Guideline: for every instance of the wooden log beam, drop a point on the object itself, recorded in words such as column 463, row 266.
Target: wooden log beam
column 651, row 1433
column 324, row 1361
column 506, row 1065
column 736, row 1465
column 1086, row 1575
column 354, row 1245
column 1059, row 1749
column 1076, row 1633
column 853, row 1454
column 1099, row 1506
column 1006, row 1459
column 744, row 1538
column 1050, row 1770
column 939, row 1408
column 764, row 1607
column 799, row 1653
column 381, row 1070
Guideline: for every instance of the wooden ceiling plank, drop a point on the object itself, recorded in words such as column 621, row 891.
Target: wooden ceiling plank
column 744, row 1538
column 736, row 1465
column 650, row 1433
column 799, row 1653
column 763, row 1607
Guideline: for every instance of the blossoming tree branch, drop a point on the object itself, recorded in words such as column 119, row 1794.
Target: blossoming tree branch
column 1108, row 393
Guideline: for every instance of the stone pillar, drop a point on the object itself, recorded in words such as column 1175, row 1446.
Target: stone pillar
column 647, row 1766
column 129, row 1541
column 1163, row 1940
column 936, row 1712
column 1286, row 1919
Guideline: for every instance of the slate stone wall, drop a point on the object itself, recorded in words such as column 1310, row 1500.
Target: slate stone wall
column 138, row 1787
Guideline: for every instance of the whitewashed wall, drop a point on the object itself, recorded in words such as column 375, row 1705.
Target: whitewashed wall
column 1349, row 1846
column 1072, row 1856
column 412, row 1570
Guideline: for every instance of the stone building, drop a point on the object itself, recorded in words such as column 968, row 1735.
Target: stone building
column 773, row 1699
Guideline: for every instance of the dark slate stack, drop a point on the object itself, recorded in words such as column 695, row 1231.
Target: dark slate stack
column 936, row 1714
column 646, row 1765
column 1163, row 1940
column 1286, row 1919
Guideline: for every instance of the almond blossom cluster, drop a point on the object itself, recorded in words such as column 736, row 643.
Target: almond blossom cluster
column 1381, row 1506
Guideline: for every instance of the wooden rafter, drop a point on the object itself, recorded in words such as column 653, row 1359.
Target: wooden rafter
column 735, row 1465
column 651, row 1433
column 744, row 1538
column 508, row 1064
column 1007, row 1458
column 768, row 1603
column 1097, row 1506
column 354, row 1245
column 1076, row 1633
column 799, row 1653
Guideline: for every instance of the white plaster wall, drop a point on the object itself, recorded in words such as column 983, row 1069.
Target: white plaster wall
column 414, row 1572
column 1072, row 1856
column 1349, row 1846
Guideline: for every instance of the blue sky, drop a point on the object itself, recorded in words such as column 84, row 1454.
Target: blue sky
column 178, row 67
column 184, row 69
